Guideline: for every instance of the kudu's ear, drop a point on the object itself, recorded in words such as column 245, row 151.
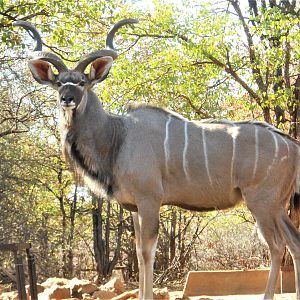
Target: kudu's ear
column 100, row 69
column 41, row 71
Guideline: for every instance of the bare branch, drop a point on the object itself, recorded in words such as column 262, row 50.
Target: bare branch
column 251, row 47
column 198, row 110
column 11, row 131
column 287, row 62
column 236, row 77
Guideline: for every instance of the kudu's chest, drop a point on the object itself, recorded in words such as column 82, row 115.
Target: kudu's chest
column 90, row 163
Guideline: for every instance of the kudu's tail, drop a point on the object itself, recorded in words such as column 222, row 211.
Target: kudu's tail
column 296, row 199
column 296, row 202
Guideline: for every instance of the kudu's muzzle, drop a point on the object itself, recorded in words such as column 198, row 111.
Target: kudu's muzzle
column 68, row 96
column 66, row 100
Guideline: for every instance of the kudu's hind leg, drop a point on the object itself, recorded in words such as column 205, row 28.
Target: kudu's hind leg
column 268, row 221
column 146, row 225
column 137, row 231
column 292, row 237
column 276, row 243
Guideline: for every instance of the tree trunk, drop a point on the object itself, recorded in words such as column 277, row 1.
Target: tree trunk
column 172, row 243
column 132, row 268
column 105, row 262
column 97, row 235
column 70, row 254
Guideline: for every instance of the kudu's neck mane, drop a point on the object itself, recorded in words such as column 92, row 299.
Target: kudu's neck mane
column 92, row 142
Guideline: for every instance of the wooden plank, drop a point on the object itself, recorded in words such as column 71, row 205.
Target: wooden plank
column 288, row 280
column 32, row 275
column 20, row 277
column 217, row 283
column 14, row 246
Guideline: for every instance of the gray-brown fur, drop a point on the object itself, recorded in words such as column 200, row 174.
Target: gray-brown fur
column 253, row 122
column 151, row 157
column 154, row 108
column 111, row 134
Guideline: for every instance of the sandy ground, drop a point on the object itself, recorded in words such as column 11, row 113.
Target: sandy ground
column 178, row 295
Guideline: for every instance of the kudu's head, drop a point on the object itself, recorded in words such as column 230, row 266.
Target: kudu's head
column 72, row 85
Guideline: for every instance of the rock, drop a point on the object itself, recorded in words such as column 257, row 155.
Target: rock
column 118, row 273
column 158, row 294
column 176, row 295
column 79, row 287
column 58, row 292
column 43, row 296
column 87, row 297
column 127, row 295
column 115, row 285
column 40, row 289
column 9, row 296
column 161, row 294
column 89, row 288
column 55, row 281
column 103, row 294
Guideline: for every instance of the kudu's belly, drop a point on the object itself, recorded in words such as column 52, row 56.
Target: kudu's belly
column 202, row 197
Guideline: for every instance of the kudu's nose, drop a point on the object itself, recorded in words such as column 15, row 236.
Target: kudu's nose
column 67, row 99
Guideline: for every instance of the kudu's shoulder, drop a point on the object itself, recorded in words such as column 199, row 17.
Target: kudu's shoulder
column 153, row 111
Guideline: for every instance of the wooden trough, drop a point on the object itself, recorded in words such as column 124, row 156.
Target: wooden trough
column 222, row 283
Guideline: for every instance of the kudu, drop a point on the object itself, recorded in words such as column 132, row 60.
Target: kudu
column 152, row 157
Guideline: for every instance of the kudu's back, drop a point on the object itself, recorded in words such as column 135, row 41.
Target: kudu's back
column 202, row 165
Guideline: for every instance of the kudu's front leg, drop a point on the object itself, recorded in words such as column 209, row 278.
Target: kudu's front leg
column 146, row 222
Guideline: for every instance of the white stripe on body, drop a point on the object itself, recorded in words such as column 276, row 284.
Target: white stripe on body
column 256, row 152
column 205, row 156
column 287, row 144
column 276, row 144
column 274, row 136
column 184, row 158
column 234, row 132
column 166, row 144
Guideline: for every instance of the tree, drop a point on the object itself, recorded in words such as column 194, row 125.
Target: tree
column 102, row 232
column 254, row 54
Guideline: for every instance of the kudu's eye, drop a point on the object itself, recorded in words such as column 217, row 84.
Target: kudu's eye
column 58, row 83
column 81, row 83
